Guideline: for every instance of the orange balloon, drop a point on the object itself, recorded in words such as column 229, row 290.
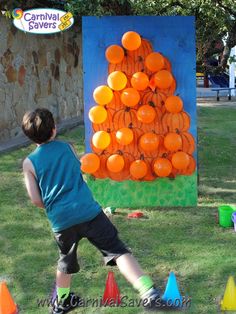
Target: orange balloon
column 174, row 104
column 138, row 169
column 131, row 40
column 149, row 142
column 146, row 114
column 180, row 160
column 163, row 79
column 101, row 139
column 124, row 136
column 117, row 80
column 90, row 163
column 155, row 62
column 115, row 163
column 114, row 54
column 173, row 142
column 162, row 167
column 130, row 97
column 97, row 114
column 139, row 81
column 102, row 95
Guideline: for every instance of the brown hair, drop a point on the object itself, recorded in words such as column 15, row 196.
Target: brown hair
column 38, row 125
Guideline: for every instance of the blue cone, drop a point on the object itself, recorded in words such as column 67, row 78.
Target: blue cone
column 172, row 295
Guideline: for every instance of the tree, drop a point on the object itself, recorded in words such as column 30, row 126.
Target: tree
column 6, row 5
column 215, row 21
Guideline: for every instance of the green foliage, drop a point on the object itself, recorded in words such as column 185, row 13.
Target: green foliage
column 215, row 20
column 99, row 7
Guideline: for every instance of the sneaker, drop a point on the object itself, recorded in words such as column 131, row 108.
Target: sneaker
column 152, row 301
column 69, row 304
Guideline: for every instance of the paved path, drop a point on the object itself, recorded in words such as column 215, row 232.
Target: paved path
column 206, row 97
column 212, row 102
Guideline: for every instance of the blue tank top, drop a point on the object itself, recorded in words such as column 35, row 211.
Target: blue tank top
column 67, row 198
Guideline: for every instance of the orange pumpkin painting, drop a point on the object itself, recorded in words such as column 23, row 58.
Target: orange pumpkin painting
column 141, row 130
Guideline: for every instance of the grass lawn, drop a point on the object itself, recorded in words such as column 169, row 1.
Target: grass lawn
column 184, row 240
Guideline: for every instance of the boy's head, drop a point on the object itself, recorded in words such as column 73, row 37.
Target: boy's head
column 38, row 125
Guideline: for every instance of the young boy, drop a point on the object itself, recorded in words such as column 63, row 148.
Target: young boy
column 53, row 181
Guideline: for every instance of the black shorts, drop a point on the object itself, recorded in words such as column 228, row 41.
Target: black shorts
column 100, row 232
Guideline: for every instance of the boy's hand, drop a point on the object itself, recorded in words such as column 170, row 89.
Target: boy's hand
column 32, row 184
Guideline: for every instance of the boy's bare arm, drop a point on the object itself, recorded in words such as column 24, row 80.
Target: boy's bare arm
column 32, row 184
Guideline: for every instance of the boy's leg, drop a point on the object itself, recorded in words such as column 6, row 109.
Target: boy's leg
column 131, row 270
column 129, row 267
column 67, row 241
column 103, row 234
column 63, row 282
column 66, row 301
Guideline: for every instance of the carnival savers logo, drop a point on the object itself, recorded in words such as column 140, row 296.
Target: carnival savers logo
column 42, row 21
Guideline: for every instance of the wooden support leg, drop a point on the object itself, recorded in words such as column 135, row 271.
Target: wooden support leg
column 218, row 97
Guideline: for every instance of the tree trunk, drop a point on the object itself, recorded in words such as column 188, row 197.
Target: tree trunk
column 206, row 80
column 225, row 56
column 230, row 43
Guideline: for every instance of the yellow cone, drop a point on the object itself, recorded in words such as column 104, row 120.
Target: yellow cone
column 229, row 300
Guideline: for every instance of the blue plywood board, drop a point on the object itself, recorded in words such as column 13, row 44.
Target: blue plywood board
column 173, row 36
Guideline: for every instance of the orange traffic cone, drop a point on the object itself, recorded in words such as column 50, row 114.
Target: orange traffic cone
column 7, row 305
column 111, row 294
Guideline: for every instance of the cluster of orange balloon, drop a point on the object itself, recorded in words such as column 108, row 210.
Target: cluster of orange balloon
column 140, row 127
